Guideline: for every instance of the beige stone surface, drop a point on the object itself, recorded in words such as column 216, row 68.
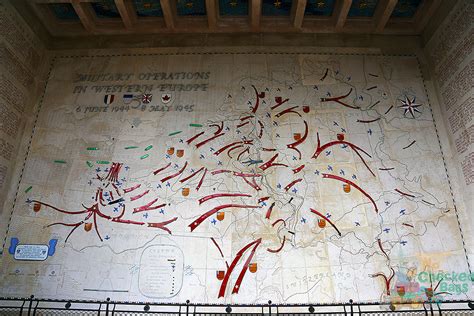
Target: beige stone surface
column 137, row 262
column 23, row 67
column 78, row 136
column 449, row 66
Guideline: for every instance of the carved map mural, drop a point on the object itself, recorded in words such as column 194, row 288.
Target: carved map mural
column 235, row 178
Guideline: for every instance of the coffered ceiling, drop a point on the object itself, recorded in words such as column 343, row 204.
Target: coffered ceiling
column 111, row 17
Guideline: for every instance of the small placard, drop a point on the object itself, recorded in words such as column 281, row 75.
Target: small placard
column 31, row 252
column 161, row 271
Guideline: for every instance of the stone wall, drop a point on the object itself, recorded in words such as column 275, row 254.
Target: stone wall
column 450, row 59
column 23, row 65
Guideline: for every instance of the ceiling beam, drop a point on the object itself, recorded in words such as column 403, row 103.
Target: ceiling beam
column 424, row 14
column 297, row 13
column 341, row 13
column 168, row 13
column 85, row 15
column 127, row 12
column 255, row 13
column 382, row 14
column 211, row 9
column 52, row 1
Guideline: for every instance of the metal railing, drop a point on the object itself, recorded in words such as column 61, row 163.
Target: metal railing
column 39, row 307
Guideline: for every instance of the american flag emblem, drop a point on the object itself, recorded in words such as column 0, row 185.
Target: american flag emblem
column 127, row 98
column 109, row 98
column 146, row 98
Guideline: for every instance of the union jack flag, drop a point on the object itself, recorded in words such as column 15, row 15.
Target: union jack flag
column 146, row 98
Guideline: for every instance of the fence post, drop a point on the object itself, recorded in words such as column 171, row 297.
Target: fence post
column 113, row 310
column 107, row 307
column 30, row 304
column 424, row 307
column 21, row 307
column 439, row 308
column 36, row 307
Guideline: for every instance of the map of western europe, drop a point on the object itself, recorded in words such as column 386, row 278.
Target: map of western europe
column 235, row 178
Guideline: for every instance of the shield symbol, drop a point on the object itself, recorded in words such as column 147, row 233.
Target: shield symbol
column 401, row 290
column 180, row 153
column 109, row 98
column 253, row 267
column 87, row 226
column 321, row 223
column 340, row 137
column 36, row 207
column 185, row 191
column 346, row 187
column 220, row 275
column 170, row 151
column 296, row 136
column 429, row 292
column 127, row 98
column 146, row 98
column 306, row 108
column 220, row 216
column 165, row 98
column 278, row 99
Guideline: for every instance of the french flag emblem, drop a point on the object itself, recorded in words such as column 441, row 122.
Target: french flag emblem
column 109, row 98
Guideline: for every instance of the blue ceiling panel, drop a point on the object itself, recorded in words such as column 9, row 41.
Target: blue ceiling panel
column 276, row 7
column 64, row 11
column 406, row 8
column 105, row 9
column 362, row 8
column 148, row 8
column 233, row 7
column 191, row 7
column 320, row 7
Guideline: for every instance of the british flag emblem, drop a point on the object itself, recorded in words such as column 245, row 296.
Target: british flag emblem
column 109, row 98
column 146, row 98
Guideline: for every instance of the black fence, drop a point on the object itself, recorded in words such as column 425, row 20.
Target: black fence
column 42, row 307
